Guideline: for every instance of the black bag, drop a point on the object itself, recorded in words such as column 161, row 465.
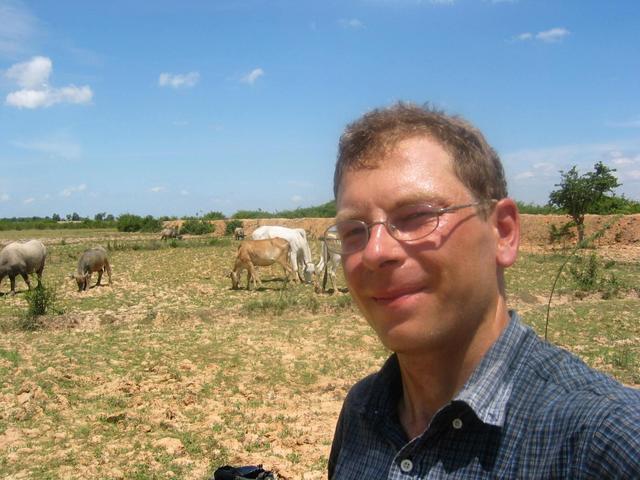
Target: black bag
column 248, row 472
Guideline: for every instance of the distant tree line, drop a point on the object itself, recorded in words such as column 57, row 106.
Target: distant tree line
column 602, row 202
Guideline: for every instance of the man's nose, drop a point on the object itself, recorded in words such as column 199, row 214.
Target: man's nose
column 381, row 247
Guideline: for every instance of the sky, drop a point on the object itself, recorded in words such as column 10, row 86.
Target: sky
column 185, row 107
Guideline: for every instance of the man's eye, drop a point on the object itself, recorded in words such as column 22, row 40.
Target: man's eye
column 351, row 232
column 414, row 219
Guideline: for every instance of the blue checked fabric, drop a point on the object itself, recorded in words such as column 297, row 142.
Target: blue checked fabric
column 530, row 410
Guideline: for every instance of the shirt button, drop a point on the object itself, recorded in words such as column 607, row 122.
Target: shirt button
column 457, row 423
column 406, row 465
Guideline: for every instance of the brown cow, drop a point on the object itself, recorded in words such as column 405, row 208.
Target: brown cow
column 261, row 253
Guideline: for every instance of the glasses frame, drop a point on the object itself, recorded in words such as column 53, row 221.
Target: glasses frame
column 391, row 228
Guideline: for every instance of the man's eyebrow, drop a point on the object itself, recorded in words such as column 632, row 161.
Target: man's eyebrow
column 357, row 212
column 348, row 214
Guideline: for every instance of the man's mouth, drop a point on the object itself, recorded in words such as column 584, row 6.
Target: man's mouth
column 389, row 296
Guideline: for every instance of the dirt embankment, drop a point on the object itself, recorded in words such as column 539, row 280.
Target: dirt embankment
column 623, row 230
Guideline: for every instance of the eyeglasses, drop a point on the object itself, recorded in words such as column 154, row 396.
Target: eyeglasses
column 406, row 224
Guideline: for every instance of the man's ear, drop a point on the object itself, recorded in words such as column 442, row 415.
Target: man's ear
column 507, row 227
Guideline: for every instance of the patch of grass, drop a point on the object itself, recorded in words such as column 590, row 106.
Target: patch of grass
column 12, row 356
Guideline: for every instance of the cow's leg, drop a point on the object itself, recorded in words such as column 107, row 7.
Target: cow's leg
column 13, row 285
column 293, row 258
column 287, row 270
column 253, row 277
column 26, row 280
column 99, row 276
column 107, row 267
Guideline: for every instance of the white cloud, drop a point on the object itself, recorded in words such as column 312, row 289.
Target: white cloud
column 633, row 174
column 178, row 80
column 55, row 146
column 442, row 2
column 350, row 23
column 622, row 161
column 296, row 199
column 17, row 27
column 29, row 200
column 157, row 189
column 547, row 36
column 252, row 76
column 4, row 197
column 553, row 35
column 50, row 96
column 538, row 170
column 524, row 175
column 31, row 74
column 67, row 192
column 33, row 77
column 184, row 193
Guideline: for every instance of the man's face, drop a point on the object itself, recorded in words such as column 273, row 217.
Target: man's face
column 434, row 292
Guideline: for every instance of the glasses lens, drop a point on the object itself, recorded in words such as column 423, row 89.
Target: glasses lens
column 332, row 239
column 413, row 222
column 350, row 236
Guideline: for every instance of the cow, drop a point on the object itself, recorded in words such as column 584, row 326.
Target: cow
column 300, row 251
column 252, row 253
column 22, row 259
column 328, row 264
column 92, row 260
column 238, row 233
column 170, row 232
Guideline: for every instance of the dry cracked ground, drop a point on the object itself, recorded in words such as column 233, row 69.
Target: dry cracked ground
column 168, row 373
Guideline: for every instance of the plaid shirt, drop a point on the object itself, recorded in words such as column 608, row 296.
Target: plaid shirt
column 530, row 410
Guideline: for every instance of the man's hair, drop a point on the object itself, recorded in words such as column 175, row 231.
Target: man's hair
column 366, row 142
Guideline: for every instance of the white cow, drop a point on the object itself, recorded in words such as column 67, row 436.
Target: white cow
column 22, row 259
column 300, row 251
column 328, row 264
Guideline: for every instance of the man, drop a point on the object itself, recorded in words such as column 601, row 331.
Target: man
column 426, row 231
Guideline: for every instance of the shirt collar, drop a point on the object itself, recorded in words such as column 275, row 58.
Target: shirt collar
column 489, row 388
column 486, row 392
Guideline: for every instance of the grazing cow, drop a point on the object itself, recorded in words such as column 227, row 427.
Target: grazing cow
column 92, row 260
column 238, row 233
column 170, row 232
column 22, row 259
column 300, row 251
column 328, row 264
column 253, row 253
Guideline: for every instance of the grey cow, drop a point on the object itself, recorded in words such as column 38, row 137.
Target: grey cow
column 22, row 258
column 92, row 260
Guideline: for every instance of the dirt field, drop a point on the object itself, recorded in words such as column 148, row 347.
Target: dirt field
column 168, row 373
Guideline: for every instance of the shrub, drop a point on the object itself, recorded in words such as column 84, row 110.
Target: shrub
column 231, row 226
column 585, row 272
column 588, row 275
column 40, row 301
column 134, row 223
column 213, row 216
column 195, row 226
column 562, row 233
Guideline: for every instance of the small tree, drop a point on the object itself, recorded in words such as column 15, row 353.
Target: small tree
column 580, row 194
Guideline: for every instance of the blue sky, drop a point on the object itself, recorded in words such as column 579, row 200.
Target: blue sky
column 184, row 107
